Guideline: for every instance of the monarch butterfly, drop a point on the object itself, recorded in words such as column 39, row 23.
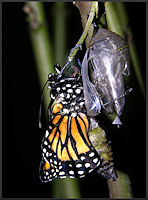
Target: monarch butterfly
column 104, row 64
column 66, row 148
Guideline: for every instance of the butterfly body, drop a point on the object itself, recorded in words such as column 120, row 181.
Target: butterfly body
column 66, row 148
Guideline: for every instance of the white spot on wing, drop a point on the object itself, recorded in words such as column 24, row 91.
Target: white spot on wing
column 52, row 170
column 87, row 165
column 47, row 173
column 74, row 114
column 62, row 177
column 47, row 154
column 82, row 176
column 44, row 150
column 57, row 170
column 82, row 158
column 70, row 91
column 95, row 160
column 65, row 110
column 47, row 133
column 64, row 88
column 54, row 174
column 80, row 172
column 64, row 102
column 68, row 85
column 61, row 173
column 76, row 107
column 62, row 81
column 98, row 163
column 79, row 165
column 78, row 91
column 74, row 86
column 73, row 96
column 71, row 177
column 58, row 89
column 45, row 142
column 62, row 95
column 81, row 103
column 68, row 96
column 53, row 97
column 91, row 154
column 71, row 172
column 55, row 162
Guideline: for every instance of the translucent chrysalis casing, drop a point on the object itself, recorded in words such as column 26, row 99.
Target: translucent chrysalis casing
column 105, row 63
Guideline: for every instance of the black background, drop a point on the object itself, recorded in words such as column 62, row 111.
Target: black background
column 21, row 137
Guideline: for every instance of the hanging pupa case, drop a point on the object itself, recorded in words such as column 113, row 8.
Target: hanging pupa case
column 105, row 63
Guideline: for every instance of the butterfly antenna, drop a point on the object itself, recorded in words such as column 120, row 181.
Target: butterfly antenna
column 40, row 109
column 62, row 70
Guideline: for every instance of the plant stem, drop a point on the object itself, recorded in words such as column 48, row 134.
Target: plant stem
column 113, row 21
column 60, row 33
column 40, row 44
column 44, row 61
column 124, row 191
column 66, row 188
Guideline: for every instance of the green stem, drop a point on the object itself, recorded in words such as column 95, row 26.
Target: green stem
column 113, row 21
column 124, row 191
column 60, row 33
column 44, row 62
column 66, row 188
column 40, row 44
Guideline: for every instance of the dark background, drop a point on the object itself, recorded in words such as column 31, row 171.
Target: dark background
column 21, row 137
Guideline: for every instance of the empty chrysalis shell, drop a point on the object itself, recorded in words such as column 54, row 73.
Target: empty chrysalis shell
column 105, row 63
